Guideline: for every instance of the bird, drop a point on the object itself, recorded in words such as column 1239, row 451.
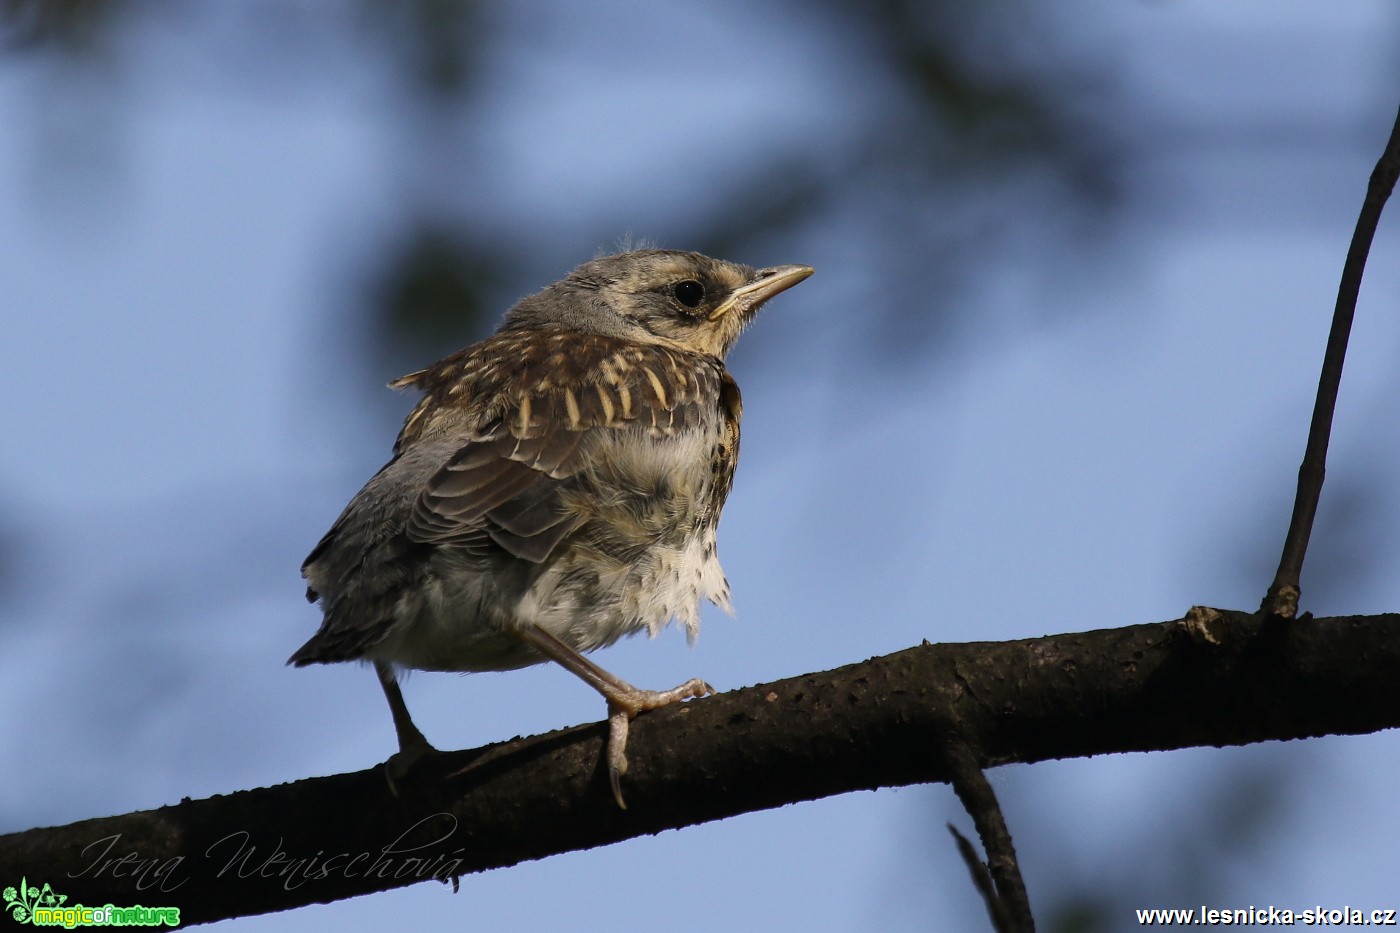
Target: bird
column 557, row 487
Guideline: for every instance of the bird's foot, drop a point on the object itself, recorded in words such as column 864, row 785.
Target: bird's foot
column 405, row 760
column 625, row 704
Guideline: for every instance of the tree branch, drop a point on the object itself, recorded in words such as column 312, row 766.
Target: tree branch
column 1282, row 596
column 982, row 880
column 1007, row 902
column 1224, row 679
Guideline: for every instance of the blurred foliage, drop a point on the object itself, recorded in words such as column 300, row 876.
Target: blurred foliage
column 68, row 26
column 1183, row 859
column 11, row 549
column 984, row 100
column 982, row 136
column 986, row 133
column 432, row 282
column 435, row 41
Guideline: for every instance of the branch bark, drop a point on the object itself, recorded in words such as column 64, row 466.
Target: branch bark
column 1217, row 678
column 1007, row 902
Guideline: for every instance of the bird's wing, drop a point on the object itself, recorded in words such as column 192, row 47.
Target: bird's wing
column 500, row 491
column 506, row 489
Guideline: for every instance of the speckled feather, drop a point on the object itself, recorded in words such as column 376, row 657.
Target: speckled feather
column 552, row 394
column 565, row 474
column 536, row 409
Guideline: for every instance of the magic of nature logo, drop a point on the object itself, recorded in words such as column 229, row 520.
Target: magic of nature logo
column 43, row 907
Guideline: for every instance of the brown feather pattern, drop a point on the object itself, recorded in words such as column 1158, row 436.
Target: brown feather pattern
column 543, row 394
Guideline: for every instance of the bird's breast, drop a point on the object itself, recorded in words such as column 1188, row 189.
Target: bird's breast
column 646, row 551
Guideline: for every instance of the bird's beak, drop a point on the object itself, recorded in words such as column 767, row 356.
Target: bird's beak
column 766, row 284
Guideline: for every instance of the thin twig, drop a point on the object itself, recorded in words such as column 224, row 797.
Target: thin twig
column 982, row 880
column 1282, row 598
column 980, row 801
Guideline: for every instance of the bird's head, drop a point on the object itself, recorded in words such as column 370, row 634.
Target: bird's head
column 658, row 296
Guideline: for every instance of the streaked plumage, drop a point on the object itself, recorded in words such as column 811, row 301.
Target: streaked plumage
column 564, row 476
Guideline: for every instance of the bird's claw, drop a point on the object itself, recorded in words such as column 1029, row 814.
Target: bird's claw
column 627, row 704
column 618, row 722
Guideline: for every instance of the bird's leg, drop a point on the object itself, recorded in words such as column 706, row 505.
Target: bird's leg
column 624, row 700
column 413, row 748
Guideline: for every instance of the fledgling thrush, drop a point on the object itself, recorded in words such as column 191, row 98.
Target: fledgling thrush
column 557, row 487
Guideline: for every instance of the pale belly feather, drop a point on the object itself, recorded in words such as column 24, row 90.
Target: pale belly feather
column 647, row 555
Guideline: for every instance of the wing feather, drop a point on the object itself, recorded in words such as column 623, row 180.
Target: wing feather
column 505, row 489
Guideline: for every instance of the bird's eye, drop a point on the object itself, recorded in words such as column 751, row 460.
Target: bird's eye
column 690, row 293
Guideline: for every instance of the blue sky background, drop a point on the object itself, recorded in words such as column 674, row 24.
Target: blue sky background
column 995, row 412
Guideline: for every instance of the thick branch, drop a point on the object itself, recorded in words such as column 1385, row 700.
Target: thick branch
column 1224, row 679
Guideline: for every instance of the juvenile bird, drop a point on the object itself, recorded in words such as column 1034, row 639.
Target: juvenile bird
column 557, row 487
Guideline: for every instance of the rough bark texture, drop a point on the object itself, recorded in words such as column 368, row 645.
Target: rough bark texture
column 1209, row 680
